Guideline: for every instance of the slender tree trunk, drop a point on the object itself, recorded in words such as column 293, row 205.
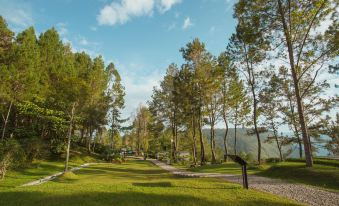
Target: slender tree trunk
column 194, row 141
column 90, row 140
column 235, row 131
column 225, row 137
column 202, row 144
column 69, row 138
column 112, row 133
column 275, row 133
column 255, row 117
column 174, row 146
column 296, row 130
column 307, row 146
column 212, row 142
column 82, row 135
column 6, row 120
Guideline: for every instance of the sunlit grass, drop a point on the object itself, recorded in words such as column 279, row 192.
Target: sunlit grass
column 136, row 183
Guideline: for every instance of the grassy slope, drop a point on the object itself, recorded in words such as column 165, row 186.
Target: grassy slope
column 324, row 176
column 135, row 183
column 41, row 169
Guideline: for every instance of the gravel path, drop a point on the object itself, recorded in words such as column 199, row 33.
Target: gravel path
column 301, row 193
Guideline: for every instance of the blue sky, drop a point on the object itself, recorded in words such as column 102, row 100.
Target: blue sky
column 141, row 37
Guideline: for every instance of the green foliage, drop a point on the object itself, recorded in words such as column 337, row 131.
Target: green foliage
column 11, row 155
column 50, row 94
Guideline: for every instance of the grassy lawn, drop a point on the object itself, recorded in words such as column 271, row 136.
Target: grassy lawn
column 325, row 176
column 135, row 183
column 40, row 169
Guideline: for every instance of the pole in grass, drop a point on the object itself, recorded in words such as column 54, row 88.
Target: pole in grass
column 243, row 164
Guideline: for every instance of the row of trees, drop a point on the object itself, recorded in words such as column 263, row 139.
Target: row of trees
column 267, row 77
column 51, row 96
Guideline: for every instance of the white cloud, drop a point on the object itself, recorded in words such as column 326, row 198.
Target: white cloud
column 62, row 28
column 187, row 23
column 123, row 11
column 171, row 26
column 120, row 13
column 19, row 13
column 166, row 5
column 83, row 41
column 93, row 28
column 138, row 85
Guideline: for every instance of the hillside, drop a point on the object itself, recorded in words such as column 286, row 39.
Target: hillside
column 248, row 143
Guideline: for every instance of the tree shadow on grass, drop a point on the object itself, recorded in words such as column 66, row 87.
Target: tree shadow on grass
column 169, row 184
column 14, row 198
column 153, row 184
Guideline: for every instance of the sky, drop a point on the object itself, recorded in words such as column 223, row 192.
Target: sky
column 141, row 37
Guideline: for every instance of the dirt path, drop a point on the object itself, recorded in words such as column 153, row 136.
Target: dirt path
column 301, row 193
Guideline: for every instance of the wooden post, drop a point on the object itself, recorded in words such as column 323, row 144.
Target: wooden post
column 243, row 164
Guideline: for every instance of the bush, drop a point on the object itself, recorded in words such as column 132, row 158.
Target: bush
column 272, row 160
column 33, row 148
column 11, row 155
column 322, row 161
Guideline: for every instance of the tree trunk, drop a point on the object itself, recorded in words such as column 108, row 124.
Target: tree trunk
column 6, row 120
column 307, row 147
column 194, row 142
column 255, row 116
column 275, row 133
column 235, row 131
column 296, row 130
column 69, row 137
column 225, row 137
column 202, row 144
column 174, row 146
column 89, row 142
column 212, row 143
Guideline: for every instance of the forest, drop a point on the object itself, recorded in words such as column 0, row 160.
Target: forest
column 52, row 98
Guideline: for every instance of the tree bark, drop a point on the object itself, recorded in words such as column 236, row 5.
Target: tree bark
column 304, row 132
column 225, row 137
column 255, row 116
column 194, row 141
column 202, row 144
column 212, row 143
column 69, row 138
column 296, row 130
column 275, row 133
column 6, row 120
column 235, row 131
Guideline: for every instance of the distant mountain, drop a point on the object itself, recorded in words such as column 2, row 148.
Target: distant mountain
column 248, row 143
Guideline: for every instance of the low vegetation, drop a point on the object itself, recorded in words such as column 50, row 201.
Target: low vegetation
column 324, row 174
column 136, row 183
column 42, row 168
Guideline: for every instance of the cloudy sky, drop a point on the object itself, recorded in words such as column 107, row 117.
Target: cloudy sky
column 141, row 37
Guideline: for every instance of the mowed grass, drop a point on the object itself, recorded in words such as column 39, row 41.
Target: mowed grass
column 320, row 175
column 40, row 169
column 135, row 183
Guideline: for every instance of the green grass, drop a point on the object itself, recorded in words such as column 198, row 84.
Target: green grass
column 226, row 168
column 325, row 175
column 135, row 183
column 319, row 175
column 40, row 169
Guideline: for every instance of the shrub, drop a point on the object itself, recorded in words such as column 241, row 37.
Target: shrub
column 11, row 155
column 272, row 160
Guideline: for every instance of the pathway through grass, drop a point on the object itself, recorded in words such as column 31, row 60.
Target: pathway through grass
column 320, row 175
column 135, row 183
